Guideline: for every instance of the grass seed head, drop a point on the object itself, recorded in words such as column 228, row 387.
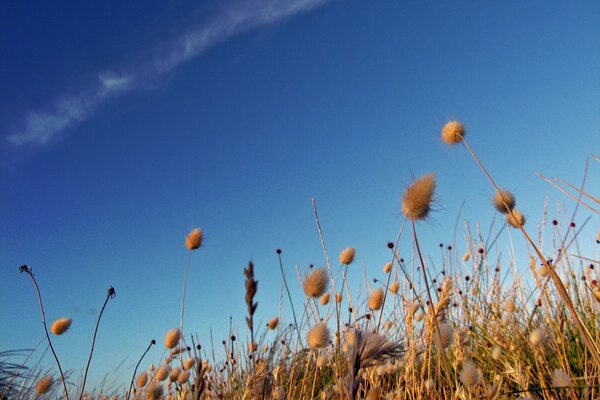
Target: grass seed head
column 470, row 374
column 44, row 384
column 560, row 378
column 318, row 336
column 394, row 287
column 272, row 324
column 338, row 297
column 189, row 363
column 446, row 333
column 174, row 374
column 347, row 255
column 376, row 299
column 502, row 199
column 453, row 132
column 163, row 372
column 154, row 391
column 538, row 337
column 194, row 239
column 142, row 379
column 374, row 394
column 183, row 377
column 324, row 300
column 316, row 284
column 172, row 338
column 515, row 218
column 387, row 268
column 497, row 352
column 60, row 326
column 417, row 198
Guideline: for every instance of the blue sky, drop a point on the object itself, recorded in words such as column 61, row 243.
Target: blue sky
column 122, row 127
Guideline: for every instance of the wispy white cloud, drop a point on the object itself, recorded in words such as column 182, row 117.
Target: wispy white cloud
column 42, row 128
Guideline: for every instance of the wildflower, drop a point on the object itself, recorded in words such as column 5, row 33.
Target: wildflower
column 503, row 199
column 316, row 283
column 44, row 384
column 417, row 198
column 162, row 372
column 453, row 132
column 470, row 375
column 318, row 336
column 538, row 337
column 387, row 268
column 376, row 299
column 60, row 326
column 347, row 255
column 172, row 338
column 194, row 239
column 515, row 218
column 142, row 379
column 272, row 324
column 560, row 378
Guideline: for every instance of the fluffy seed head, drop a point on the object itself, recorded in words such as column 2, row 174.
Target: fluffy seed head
column 496, row 352
column 60, row 326
column 142, row 379
column 560, row 378
column 387, row 268
column 470, row 374
column 44, row 384
column 338, row 297
column 316, row 283
column 510, row 305
column 324, row 300
column 374, row 394
column 183, row 377
column 388, row 325
column 279, row 393
column 446, row 333
column 189, row 363
column 154, row 391
column 318, row 336
column 453, row 132
column 515, row 218
column 174, row 374
column 194, row 239
column 394, row 287
column 467, row 256
column 501, row 198
column 347, row 255
column 272, row 324
column 322, row 360
column 417, row 198
column 163, row 372
column 538, row 337
column 376, row 299
column 172, row 338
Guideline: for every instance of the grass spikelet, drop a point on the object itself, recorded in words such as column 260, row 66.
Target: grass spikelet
column 453, row 132
column 504, row 201
column 316, row 284
column 60, row 326
column 142, row 379
column 470, row 374
column 44, row 384
column 416, row 201
column 172, row 338
column 376, row 299
column 318, row 336
column 347, row 255
column 515, row 218
column 560, row 378
column 194, row 239
column 272, row 324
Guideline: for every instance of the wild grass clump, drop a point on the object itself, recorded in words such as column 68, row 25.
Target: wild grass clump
column 476, row 320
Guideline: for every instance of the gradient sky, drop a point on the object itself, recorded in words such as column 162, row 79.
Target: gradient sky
column 125, row 125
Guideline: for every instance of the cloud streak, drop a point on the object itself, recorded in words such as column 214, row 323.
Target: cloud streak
column 40, row 128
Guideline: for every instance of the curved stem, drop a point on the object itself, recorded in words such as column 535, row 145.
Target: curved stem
column 136, row 368
column 287, row 289
column 185, row 277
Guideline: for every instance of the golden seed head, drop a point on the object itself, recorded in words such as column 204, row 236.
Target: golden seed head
column 154, row 391
column 496, row 352
column 394, row 287
column 194, row 239
column 388, row 325
column 163, row 372
column 172, row 338
column 419, row 316
column 560, row 378
column 538, row 337
column 278, row 393
column 470, row 374
column 466, row 256
column 502, row 199
column 374, row 394
column 338, row 297
column 446, row 333
column 272, row 324
column 417, row 198
column 347, row 255
column 183, row 377
column 318, row 336
column 387, row 268
column 324, row 300
column 142, row 379
column 252, row 347
column 60, row 326
column 510, row 305
column 453, row 132
column 44, row 384
column 316, row 283
column 515, row 218
column 376, row 299
column 189, row 363
column 322, row 360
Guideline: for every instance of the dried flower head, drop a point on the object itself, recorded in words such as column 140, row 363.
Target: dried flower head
column 154, row 391
column 347, row 255
column 453, row 132
column 44, row 384
column 417, row 198
column 503, row 199
column 375, row 299
column 316, row 283
column 324, row 300
column 60, row 326
column 142, row 379
column 470, row 374
column 538, row 337
column 172, row 338
column 515, row 218
column 272, row 324
column 560, row 378
column 162, row 372
column 387, row 268
column 318, row 336
column 394, row 287
column 194, row 239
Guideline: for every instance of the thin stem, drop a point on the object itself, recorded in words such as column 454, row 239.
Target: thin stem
column 287, row 289
column 185, row 277
column 152, row 342
column 27, row 269
column 16, row 374
column 110, row 294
